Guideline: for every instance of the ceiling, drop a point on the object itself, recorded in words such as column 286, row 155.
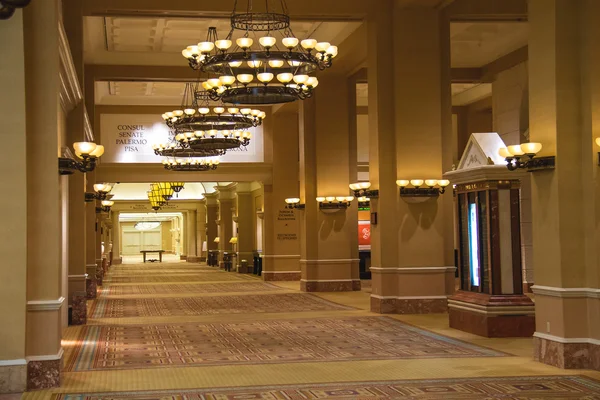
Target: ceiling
column 138, row 191
column 153, row 216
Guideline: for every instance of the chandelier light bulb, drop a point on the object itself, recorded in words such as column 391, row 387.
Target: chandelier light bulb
column 237, row 134
column 246, row 135
column 206, row 47
column 169, row 114
column 219, row 110
column 189, row 135
column 84, row 148
column 531, row 148
column 349, row 199
column 189, row 111
column 402, row 182
column 330, row 198
column 98, row 151
column 262, row 115
column 186, row 53
column 290, row 42
column 416, row 182
column 225, row 133
column 223, row 44
column 292, row 200
column 233, row 110
column 320, row 199
column 204, row 110
column 321, row 46
column 206, row 85
column 255, row 112
column 308, row 44
column 199, row 134
column 276, row 63
column 265, row 77
column 221, row 89
column 332, row 51
column 312, row 82
column 193, row 50
column 295, row 63
column 178, row 113
column 516, row 150
column 235, row 64
column 179, row 137
column 285, row 77
column 244, row 42
column 254, row 64
column 227, row 80
column 300, row 79
column 245, row 78
column 431, row 182
column 341, row 198
column 443, row 182
column 246, row 111
column 214, row 82
column 504, row 153
column 212, row 133
column 267, row 41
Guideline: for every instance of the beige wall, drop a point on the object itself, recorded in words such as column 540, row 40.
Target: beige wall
column 510, row 104
column 167, row 236
column 258, row 203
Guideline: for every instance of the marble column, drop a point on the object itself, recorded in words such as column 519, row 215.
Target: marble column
column 212, row 218
column 225, row 201
column 91, row 262
column 191, row 236
column 201, row 230
column 13, row 230
column 246, row 233
column 281, row 257
column 44, row 301
column 328, row 241
column 116, row 238
column 564, row 106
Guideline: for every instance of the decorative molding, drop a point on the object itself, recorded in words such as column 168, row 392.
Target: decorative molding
column 282, row 256
column 566, row 340
column 410, row 297
column 493, row 310
column 78, row 277
column 49, row 357
column 45, row 305
column 329, row 280
column 334, row 261
column 9, row 363
column 88, row 132
column 413, row 270
column 281, row 272
column 70, row 91
column 551, row 291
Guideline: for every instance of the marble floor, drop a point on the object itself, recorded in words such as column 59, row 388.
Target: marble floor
column 186, row 331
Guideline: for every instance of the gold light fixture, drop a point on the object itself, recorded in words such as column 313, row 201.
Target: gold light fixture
column 84, row 160
column 364, row 203
column 334, row 203
column 598, row 144
column 523, row 156
column 424, row 188
column 101, row 191
column 106, row 205
column 361, row 189
column 294, row 203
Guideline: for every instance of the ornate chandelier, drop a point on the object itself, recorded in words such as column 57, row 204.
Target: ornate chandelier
column 277, row 70
column 187, row 164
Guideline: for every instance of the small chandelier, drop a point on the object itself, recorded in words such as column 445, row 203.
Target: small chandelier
column 156, row 201
column 84, row 160
column 191, row 164
column 265, row 74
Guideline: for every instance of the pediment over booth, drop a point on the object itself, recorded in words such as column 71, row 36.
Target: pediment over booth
column 482, row 149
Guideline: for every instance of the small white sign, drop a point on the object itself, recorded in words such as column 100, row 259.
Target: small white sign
column 128, row 138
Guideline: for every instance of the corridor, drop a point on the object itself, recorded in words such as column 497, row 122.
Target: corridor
column 186, row 330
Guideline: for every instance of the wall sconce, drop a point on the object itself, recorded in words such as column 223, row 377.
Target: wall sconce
column 364, row 202
column 101, row 191
column 217, row 240
column 361, row 189
column 88, row 152
column 294, row 202
column 233, row 240
column 106, row 205
column 515, row 154
column 433, row 187
column 334, row 203
column 598, row 143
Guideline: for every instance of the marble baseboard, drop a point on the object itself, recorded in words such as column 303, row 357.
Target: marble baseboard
column 356, row 285
column 182, row 257
column 44, row 374
column 193, row 259
column 527, row 287
column 281, row 277
column 91, row 288
column 79, row 308
column 566, row 355
column 117, row 260
column 330, row 286
column 202, row 259
column 13, row 378
column 408, row 306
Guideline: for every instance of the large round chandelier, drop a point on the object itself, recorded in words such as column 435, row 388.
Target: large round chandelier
column 187, row 164
column 279, row 68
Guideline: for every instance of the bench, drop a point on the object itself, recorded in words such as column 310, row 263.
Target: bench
column 144, row 252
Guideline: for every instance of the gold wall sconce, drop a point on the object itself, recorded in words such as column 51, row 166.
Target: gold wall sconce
column 101, row 191
column 423, row 189
column 522, row 156
column 598, row 143
column 334, row 203
column 87, row 152
column 364, row 202
column 361, row 189
column 294, row 203
column 106, row 205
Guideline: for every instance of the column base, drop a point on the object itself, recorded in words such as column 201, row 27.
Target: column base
column 118, row 260
column 202, row 259
column 193, row 259
column 105, row 265
column 91, row 288
column 281, row 276
column 399, row 305
column 330, row 286
column 79, row 308
column 44, row 374
column 575, row 355
column 492, row 315
column 182, row 257
column 13, row 378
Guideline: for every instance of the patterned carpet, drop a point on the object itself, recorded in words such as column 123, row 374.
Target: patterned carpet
column 298, row 340
column 200, row 277
column 226, row 304
column 198, row 288
column 515, row 388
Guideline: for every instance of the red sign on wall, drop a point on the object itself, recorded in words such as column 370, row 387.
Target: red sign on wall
column 364, row 234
